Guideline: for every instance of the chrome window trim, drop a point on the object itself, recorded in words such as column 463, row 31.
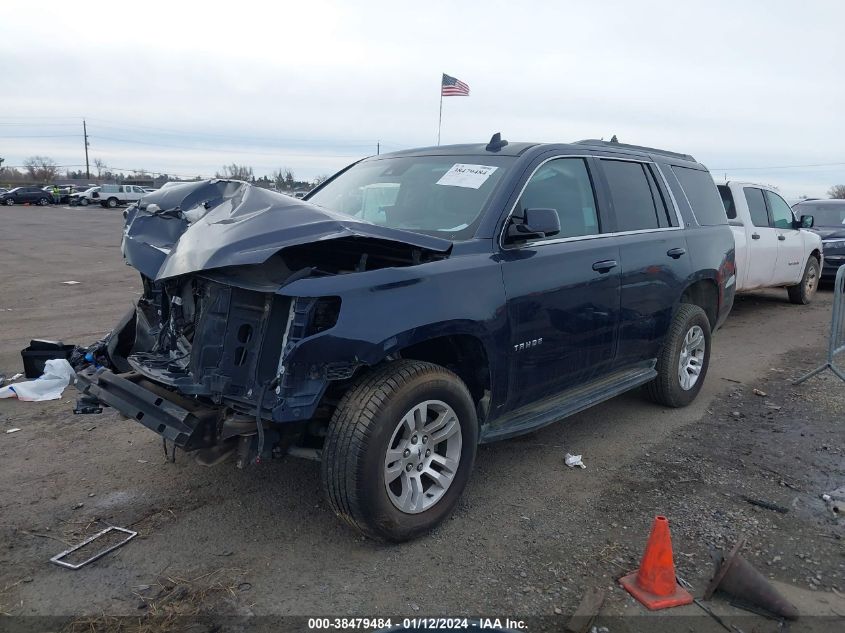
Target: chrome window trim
column 681, row 223
column 578, row 238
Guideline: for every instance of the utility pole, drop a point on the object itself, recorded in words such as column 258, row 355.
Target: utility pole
column 85, row 134
column 378, row 148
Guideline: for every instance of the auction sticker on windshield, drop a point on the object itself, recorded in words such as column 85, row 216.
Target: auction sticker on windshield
column 469, row 176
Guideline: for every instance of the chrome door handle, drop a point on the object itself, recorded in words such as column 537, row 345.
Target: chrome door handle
column 604, row 265
column 675, row 253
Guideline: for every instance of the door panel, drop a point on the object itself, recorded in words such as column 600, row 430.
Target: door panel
column 563, row 315
column 762, row 242
column 788, row 269
column 562, row 292
column 654, row 258
column 655, row 266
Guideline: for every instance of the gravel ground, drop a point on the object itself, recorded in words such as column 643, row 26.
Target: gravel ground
column 529, row 538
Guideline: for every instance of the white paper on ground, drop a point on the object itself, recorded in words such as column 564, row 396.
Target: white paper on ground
column 469, row 176
column 573, row 460
column 49, row 386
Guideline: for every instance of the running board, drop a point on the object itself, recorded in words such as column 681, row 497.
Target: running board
column 535, row 416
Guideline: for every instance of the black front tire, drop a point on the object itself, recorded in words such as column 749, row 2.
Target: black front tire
column 666, row 388
column 359, row 436
column 803, row 292
column 111, row 203
column 43, row 202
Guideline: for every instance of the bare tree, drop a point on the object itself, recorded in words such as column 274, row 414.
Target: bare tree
column 41, row 168
column 837, row 192
column 289, row 178
column 319, row 180
column 278, row 178
column 99, row 165
column 236, row 172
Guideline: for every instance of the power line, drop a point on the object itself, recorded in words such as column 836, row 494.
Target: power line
column 221, row 150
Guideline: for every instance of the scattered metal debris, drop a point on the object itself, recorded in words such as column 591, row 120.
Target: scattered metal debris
column 57, row 559
column 71, row 283
column 758, row 392
column 709, row 612
column 14, row 430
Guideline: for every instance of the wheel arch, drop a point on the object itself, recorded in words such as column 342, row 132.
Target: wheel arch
column 704, row 293
column 465, row 355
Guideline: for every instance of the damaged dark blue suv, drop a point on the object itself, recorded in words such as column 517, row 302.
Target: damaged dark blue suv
column 413, row 306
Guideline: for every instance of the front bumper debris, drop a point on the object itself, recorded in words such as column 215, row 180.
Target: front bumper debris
column 189, row 425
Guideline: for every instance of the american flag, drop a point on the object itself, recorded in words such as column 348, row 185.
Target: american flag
column 452, row 87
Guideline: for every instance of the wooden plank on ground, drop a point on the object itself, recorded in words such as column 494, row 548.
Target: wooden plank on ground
column 586, row 612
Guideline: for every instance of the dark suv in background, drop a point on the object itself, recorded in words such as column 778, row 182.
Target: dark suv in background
column 829, row 223
column 21, row 195
column 413, row 306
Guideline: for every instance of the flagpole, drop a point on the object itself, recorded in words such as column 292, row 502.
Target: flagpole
column 440, row 119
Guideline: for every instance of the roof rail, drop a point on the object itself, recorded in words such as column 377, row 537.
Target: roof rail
column 639, row 148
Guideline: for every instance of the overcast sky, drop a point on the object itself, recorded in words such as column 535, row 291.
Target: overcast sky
column 315, row 85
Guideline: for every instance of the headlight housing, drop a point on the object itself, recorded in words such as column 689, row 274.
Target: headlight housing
column 833, row 244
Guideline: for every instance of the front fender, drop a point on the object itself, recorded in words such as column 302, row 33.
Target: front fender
column 384, row 311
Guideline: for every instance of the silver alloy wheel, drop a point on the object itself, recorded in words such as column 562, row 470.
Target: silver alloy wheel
column 811, row 282
column 691, row 359
column 422, row 456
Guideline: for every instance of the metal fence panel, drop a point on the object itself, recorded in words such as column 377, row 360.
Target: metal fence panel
column 836, row 344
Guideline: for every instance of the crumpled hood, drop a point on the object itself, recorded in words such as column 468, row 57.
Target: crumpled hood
column 211, row 224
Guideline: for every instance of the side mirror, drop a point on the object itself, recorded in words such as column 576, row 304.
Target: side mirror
column 534, row 224
column 807, row 221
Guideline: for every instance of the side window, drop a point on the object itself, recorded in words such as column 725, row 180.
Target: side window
column 631, row 192
column 702, row 194
column 781, row 212
column 665, row 218
column 756, row 206
column 563, row 184
column 728, row 201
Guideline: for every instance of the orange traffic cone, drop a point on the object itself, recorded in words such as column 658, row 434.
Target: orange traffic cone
column 654, row 583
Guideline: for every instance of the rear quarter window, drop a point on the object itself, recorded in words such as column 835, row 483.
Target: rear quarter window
column 728, row 201
column 702, row 194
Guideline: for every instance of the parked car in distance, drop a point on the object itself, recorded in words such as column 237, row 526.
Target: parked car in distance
column 112, row 195
column 65, row 192
column 829, row 224
column 773, row 248
column 498, row 289
column 83, row 198
column 22, row 195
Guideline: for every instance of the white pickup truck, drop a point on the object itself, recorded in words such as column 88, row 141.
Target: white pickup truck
column 773, row 249
column 112, row 195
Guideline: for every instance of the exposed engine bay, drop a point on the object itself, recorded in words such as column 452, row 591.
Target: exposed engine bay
column 208, row 353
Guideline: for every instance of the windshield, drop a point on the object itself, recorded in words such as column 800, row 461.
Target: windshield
column 434, row 195
column 827, row 214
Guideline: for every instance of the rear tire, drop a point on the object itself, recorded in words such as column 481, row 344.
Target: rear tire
column 43, row 202
column 803, row 292
column 684, row 359
column 111, row 203
column 370, row 457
